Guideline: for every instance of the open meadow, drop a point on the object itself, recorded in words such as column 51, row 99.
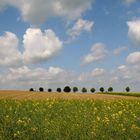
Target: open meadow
column 67, row 116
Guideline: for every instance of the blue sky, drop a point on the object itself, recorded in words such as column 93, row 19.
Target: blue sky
column 56, row 43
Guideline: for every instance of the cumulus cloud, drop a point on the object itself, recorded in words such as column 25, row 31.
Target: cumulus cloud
column 134, row 31
column 25, row 77
column 36, row 11
column 91, row 75
column 97, row 52
column 80, row 26
column 133, row 58
column 40, row 46
column 9, row 53
column 119, row 50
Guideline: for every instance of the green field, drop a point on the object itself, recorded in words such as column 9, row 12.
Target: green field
column 56, row 119
column 134, row 94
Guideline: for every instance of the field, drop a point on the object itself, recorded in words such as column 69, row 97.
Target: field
column 134, row 94
column 23, row 95
column 43, row 116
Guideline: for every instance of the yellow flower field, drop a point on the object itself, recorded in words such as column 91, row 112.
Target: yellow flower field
column 56, row 119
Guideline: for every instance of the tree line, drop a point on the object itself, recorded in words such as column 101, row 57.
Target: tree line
column 75, row 89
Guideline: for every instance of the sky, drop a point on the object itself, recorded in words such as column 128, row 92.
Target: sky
column 54, row 43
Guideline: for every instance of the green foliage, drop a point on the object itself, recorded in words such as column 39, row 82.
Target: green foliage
column 67, row 89
column 75, row 89
column 31, row 89
column 135, row 94
column 58, row 89
column 84, row 90
column 102, row 89
column 49, row 90
column 127, row 89
column 92, row 90
column 110, row 89
column 41, row 89
column 69, row 120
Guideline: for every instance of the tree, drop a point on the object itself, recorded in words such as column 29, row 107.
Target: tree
column 75, row 89
column 58, row 89
column 41, row 89
column 102, row 89
column 49, row 90
column 92, row 90
column 127, row 89
column 31, row 89
column 110, row 89
column 84, row 90
column 67, row 89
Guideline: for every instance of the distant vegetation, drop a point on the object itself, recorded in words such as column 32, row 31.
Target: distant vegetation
column 67, row 89
column 127, row 89
column 84, row 90
column 92, row 90
column 31, row 89
column 102, row 89
column 49, row 90
column 135, row 94
column 75, row 89
column 41, row 89
column 58, row 90
column 110, row 90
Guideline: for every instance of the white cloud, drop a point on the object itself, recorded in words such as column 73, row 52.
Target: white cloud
column 92, row 76
column 80, row 26
column 134, row 31
column 129, row 1
column 97, row 72
column 53, row 77
column 119, row 50
column 25, row 77
column 36, row 11
column 9, row 53
column 133, row 58
column 97, row 52
column 40, row 46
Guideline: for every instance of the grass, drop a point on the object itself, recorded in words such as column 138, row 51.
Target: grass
column 134, row 94
column 57, row 119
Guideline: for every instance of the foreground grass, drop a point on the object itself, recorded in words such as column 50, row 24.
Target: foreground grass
column 69, row 120
column 134, row 94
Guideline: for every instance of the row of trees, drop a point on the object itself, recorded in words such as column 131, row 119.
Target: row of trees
column 75, row 89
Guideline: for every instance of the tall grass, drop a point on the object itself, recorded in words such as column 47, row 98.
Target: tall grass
column 69, row 120
column 135, row 94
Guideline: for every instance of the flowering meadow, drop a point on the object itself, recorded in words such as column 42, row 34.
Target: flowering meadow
column 56, row 119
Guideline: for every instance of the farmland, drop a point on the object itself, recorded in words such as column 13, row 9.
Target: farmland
column 53, row 116
column 134, row 94
column 23, row 95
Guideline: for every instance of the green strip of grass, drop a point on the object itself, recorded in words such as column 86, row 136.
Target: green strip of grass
column 135, row 94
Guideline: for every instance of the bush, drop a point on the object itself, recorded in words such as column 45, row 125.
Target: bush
column 49, row 90
column 67, row 89
column 31, row 89
column 102, row 89
column 84, row 90
column 75, row 89
column 92, row 90
column 41, row 89
column 58, row 89
column 127, row 89
column 110, row 89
